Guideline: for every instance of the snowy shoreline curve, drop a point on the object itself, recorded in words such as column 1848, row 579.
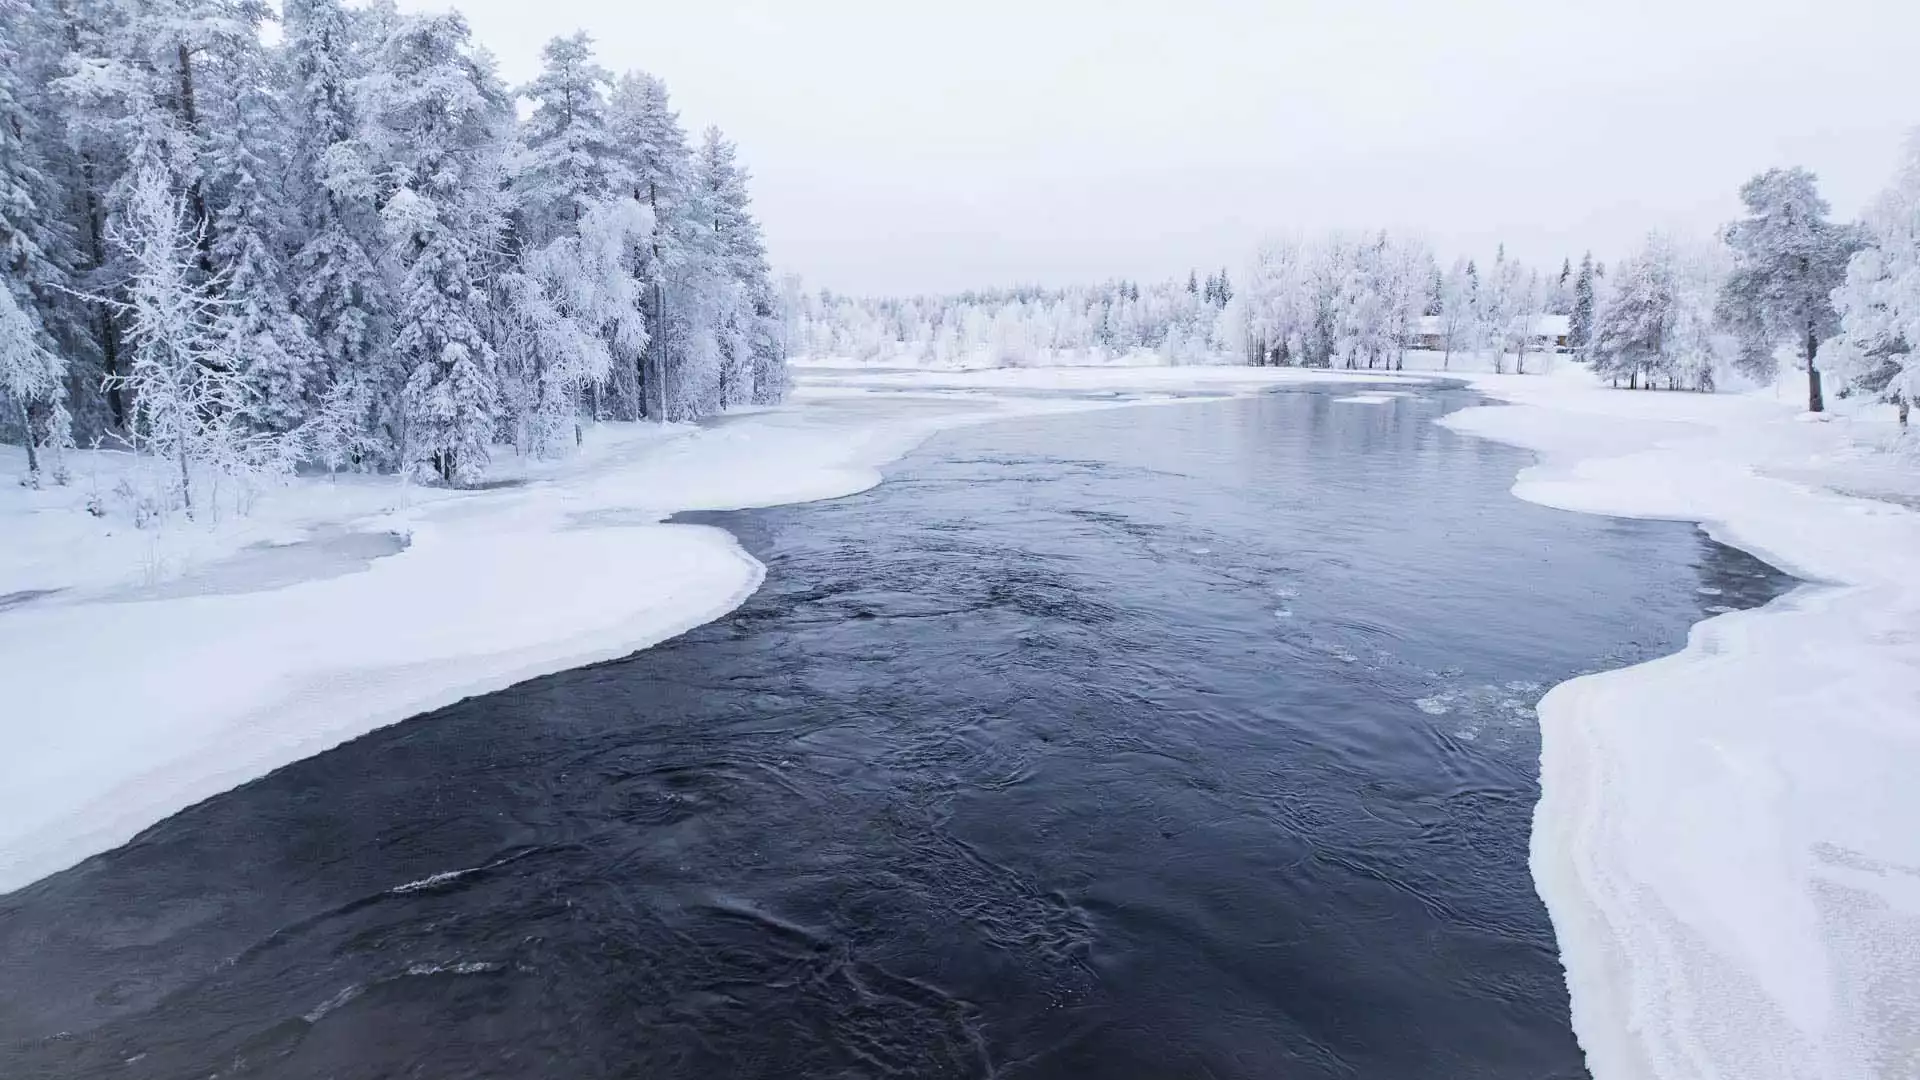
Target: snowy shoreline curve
column 570, row 565
column 1725, row 838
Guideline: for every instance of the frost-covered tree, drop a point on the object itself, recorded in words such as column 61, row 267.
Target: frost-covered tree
column 574, row 319
column 1787, row 261
column 32, row 386
column 440, row 119
column 659, row 167
column 338, row 284
column 368, row 231
column 35, row 252
column 1529, row 296
column 1630, row 333
column 1580, row 314
column 1560, row 292
column 1658, row 324
column 752, row 368
column 1498, row 301
column 1458, row 314
column 281, row 363
column 190, row 398
column 186, row 86
column 569, row 157
column 1879, row 302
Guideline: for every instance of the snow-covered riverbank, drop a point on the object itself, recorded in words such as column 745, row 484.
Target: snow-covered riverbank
column 1725, row 838
column 1722, row 840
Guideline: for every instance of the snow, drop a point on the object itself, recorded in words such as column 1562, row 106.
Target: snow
column 1724, row 841
column 1725, row 837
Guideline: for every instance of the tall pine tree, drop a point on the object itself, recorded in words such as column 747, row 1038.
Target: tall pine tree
column 441, row 121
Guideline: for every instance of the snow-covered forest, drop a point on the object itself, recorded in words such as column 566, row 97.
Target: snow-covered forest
column 352, row 247
column 1677, row 313
column 1345, row 300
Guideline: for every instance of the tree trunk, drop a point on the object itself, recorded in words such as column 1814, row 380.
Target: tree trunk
column 1901, row 405
column 1815, row 401
column 33, row 457
column 196, row 196
column 109, row 331
column 186, row 478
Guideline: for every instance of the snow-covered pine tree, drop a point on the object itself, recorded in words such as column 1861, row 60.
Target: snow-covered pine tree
column 339, row 286
column 659, row 166
column 245, row 177
column 568, row 163
column 717, row 180
column 1560, row 295
column 1879, row 303
column 1658, row 326
column 1788, row 260
column 32, row 387
column 1630, row 331
column 1580, row 313
column 80, row 91
column 568, row 155
column 753, row 367
column 440, row 121
column 183, row 86
column 35, row 253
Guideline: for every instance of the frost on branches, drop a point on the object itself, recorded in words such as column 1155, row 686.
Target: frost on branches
column 403, row 274
column 1787, row 261
column 1656, row 328
column 185, row 371
column 31, row 389
column 1879, row 303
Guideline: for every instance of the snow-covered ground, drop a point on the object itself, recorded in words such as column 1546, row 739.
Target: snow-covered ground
column 1725, row 840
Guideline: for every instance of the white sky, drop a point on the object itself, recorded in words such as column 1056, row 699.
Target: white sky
column 905, row 147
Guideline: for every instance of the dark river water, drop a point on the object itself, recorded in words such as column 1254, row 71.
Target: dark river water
column 1182, row 741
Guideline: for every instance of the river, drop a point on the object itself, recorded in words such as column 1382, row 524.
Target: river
column 1181, row 740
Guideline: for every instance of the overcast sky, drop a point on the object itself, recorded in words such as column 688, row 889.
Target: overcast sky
column 905, row 147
